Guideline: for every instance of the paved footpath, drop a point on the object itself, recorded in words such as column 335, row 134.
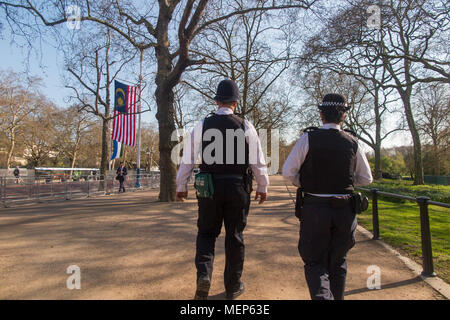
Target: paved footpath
column 133, row 247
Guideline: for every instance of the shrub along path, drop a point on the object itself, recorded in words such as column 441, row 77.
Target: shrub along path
column 436, row 192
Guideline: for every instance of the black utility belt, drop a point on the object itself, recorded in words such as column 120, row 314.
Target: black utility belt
column 227, row 176
column 334, row 201
column 359, row 202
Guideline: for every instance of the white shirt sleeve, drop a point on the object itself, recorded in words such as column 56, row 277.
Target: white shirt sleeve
column 256, row 158
column 191, row 153
column 295, row 160
column 363, row 174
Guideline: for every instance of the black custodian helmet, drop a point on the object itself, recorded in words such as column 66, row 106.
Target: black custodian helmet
column 227, row 91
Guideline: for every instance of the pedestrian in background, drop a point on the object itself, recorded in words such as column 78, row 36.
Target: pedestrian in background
column 121, row 173
column 17, row 174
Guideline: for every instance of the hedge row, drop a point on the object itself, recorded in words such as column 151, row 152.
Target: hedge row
column 434, row 192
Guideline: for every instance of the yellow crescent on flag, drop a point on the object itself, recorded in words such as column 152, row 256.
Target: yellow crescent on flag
column 120, row 95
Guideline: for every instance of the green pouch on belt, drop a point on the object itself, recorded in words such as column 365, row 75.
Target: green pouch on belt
column 204, row 185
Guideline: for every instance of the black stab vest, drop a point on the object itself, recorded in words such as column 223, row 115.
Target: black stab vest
column 231, row 164
column 330, row 163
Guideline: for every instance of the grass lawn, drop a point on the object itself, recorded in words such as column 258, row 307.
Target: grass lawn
column 400, row 227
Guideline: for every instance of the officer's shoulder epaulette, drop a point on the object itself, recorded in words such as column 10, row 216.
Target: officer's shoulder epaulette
column 310, row 129
column 353, row 133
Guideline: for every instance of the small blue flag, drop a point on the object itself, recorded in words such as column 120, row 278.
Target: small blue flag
column 117, row 150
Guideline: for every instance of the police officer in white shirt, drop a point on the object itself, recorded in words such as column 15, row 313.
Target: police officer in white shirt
column 228, row 164
column 326, row 164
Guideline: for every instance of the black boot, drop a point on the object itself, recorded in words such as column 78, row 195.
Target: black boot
column 202, row 289
column 231, row 295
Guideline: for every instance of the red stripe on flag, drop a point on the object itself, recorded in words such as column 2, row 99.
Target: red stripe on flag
column 130, row 115
column 115, row 126
column 134, row 118
column 130, row 119
column 119, row 127
column 124, row 119
column 127, row 120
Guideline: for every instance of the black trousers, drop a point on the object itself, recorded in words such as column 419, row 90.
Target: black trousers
column 230, row 205
column 121, row 186
column 326, row 235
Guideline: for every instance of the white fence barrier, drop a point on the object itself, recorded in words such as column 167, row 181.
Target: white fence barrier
column 36, row 189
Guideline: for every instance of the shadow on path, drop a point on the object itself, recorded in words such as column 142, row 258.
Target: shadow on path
column 386, row 286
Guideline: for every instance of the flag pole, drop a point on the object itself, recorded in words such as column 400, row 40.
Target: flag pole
column 138, row 160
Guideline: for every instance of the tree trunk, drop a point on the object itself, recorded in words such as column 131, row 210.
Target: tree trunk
column 166, row 122
column 437, row 161
column 72, row 164
column 377, row 171
column 418, row 162
column 165, row 105
column 12, row 133
column 105, row 153
column 377, row 148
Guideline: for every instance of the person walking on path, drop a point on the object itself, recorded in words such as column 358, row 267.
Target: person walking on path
column 121, row 173
column 230, row 153
column 17, row 174
column 326, row 164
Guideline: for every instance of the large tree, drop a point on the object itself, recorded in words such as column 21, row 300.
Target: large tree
column 405, row 47
column 432, row 104
column 19, row 98
column 255, row 50
column 166, row 26
column 71, row 129
column 39, row 134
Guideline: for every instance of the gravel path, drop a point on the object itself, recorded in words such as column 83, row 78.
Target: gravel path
column 133, row 247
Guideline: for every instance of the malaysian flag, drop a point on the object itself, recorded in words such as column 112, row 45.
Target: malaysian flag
column 124, row 124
